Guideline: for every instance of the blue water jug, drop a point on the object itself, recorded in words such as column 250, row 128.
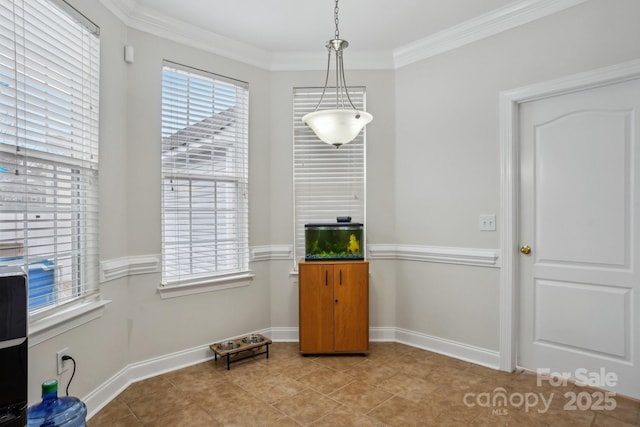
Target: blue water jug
column 56, row 411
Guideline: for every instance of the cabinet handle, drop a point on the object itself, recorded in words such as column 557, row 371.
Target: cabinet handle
column 326, row 277
column 340, row 279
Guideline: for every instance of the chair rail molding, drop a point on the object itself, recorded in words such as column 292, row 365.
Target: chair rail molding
column 117, row 268
column 271, row 252
column 447, row 255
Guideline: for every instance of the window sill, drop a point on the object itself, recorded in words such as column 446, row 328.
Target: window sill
column 206, row 285
column 62, row 321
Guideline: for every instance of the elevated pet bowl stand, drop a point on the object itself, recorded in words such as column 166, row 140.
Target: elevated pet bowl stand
column 241, row 348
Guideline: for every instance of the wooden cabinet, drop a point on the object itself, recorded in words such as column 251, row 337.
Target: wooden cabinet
column 333, row 306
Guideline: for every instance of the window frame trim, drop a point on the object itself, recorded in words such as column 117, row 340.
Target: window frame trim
column 210, row 281
column 60, row 321
column 62, row 315
column 206, row 284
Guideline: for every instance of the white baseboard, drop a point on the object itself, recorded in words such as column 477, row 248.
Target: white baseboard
column 290, row 334
column 382, row 334
column 134, row 372
column 106, row 392
column 283, row 334
column 138, row 371
column 477, row 355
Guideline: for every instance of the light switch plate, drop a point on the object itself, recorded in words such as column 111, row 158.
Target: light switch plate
column 487, row 222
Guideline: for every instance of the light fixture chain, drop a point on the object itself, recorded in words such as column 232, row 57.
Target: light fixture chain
column 335, row 14
column 337, row 126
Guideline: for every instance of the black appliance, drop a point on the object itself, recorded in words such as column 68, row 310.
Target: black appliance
column 13, row 347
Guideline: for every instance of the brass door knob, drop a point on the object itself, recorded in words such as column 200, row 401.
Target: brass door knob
column 525, row 249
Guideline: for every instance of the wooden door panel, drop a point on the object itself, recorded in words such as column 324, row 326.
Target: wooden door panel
column 351, row 286
column 316, row 308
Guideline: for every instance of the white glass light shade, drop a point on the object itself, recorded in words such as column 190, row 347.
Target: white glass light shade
column 337, row 127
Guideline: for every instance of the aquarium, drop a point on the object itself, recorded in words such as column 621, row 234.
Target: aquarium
column 339, row 241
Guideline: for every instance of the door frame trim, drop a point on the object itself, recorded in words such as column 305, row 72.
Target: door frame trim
column 508, row 219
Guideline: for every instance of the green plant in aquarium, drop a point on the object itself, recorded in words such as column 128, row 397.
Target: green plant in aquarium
column 315, row 248
column 354, row 245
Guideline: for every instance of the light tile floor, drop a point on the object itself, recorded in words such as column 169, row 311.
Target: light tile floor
column 395, row 385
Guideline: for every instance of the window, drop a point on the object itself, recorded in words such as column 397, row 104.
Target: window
column 328, row 181
column 49, row 79
column 204, row 176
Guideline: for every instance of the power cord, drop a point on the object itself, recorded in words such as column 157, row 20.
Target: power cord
column 66, row 357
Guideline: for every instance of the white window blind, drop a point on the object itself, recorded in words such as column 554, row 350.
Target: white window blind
column 328, row 181
column 49, row 86
column 204, row 175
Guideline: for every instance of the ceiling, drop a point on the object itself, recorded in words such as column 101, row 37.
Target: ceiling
column 278, row 33
column 302, row 25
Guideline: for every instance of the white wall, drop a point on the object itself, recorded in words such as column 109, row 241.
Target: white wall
column 447, row 154
column 100, row 347
column 138, row 325
column 433, row 167
column 163, row 326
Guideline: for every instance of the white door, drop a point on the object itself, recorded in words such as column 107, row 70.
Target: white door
column 580, row 215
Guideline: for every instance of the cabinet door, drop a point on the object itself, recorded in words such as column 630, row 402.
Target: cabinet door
column 351, row 290
column 315, row 287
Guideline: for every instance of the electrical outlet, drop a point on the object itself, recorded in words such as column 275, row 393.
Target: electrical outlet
column 62, row 364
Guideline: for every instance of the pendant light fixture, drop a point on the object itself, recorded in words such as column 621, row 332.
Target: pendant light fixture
column 342, row 124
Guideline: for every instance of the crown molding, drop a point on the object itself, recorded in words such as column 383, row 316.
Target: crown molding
column 160, row 25
column 502, row 19
column 486, row 25
column 122, row 9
